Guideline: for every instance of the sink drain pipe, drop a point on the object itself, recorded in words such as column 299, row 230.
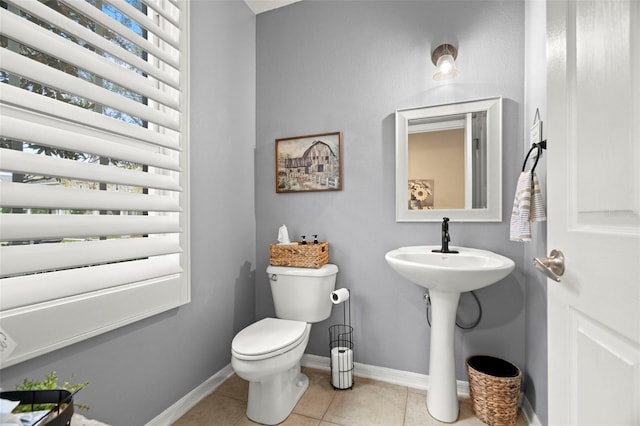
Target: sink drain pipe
column 427, row 302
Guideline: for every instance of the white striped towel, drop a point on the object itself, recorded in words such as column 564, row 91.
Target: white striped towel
column 528, row 206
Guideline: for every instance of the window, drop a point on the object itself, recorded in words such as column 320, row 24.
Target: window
column 93, row 168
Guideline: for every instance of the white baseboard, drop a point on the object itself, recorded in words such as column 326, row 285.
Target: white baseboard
column 529, row 415
column 187, row 402
column 383, row 374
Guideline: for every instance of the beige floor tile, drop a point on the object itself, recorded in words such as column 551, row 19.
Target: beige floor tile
column 316, row 399
column 214, row 410
column 244, row 421
column 467, row 416
column 298, row 420
column 418, row 415
column 292, row 420
column 368, row 403
column 234, row 387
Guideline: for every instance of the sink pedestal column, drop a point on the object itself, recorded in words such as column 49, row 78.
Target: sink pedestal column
column 442, row 395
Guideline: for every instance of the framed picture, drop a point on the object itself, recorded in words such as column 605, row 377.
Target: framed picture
column 309, row 163
column 421, row 192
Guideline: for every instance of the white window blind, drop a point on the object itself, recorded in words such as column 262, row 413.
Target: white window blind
column 93, row 168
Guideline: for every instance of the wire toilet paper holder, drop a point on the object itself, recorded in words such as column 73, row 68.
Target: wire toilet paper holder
column 341, row 344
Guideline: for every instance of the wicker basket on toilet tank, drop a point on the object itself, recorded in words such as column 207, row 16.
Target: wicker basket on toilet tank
column 299, row 255
column 494, row 387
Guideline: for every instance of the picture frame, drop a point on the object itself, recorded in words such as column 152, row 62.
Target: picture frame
column 421, row 194
column 309, row 163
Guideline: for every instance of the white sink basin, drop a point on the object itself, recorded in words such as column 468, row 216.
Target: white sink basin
column 470, row 269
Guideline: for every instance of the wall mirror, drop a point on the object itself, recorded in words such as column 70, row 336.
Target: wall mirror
column 449, row 162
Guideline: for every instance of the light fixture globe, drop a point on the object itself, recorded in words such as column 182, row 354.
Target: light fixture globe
column 443, row 57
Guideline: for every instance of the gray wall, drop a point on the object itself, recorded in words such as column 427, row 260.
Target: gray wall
column 347, row 66
column 536, row 283
column 138, row 371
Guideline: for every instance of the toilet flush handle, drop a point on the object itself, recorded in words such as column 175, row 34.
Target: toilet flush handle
column 273, row 277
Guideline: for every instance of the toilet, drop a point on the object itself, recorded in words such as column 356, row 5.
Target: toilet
column 267, row 353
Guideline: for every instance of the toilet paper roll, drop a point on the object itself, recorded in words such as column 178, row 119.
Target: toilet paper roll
column 339, row 296
column 341, row 367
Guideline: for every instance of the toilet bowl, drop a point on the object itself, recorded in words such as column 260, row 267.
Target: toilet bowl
column 267, row 353
column 271, row 368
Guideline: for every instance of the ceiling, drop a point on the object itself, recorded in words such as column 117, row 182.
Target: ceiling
column 259, row 6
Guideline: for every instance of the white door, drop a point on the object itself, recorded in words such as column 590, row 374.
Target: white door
column 593, row 188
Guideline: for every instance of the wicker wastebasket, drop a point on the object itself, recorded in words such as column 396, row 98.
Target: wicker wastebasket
column 494, row 387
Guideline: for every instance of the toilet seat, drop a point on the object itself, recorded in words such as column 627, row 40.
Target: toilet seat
column 267, row 338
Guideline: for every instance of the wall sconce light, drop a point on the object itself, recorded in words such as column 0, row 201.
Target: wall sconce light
column 444, row 58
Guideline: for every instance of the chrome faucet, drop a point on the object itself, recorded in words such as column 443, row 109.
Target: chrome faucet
column 445, row 238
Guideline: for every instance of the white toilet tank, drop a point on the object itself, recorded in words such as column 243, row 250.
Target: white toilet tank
column 302, row 294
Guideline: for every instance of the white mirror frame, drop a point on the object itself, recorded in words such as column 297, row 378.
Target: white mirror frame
column 493, row 211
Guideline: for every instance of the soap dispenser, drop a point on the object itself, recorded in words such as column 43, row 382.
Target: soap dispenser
column 304, row 240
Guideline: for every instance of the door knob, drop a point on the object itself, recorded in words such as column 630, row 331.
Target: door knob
column 552, row 266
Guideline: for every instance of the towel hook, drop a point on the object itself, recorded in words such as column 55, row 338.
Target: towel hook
column 540, row 146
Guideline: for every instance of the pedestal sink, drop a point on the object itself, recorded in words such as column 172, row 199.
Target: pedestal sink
column 446, row 275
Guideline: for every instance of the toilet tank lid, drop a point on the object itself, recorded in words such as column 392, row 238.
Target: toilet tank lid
column 323, row 271
column 268, row 335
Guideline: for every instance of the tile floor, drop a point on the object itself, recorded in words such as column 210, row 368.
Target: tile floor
column 369, row 403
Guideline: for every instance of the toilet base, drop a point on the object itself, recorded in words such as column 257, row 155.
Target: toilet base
column 271, row 401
